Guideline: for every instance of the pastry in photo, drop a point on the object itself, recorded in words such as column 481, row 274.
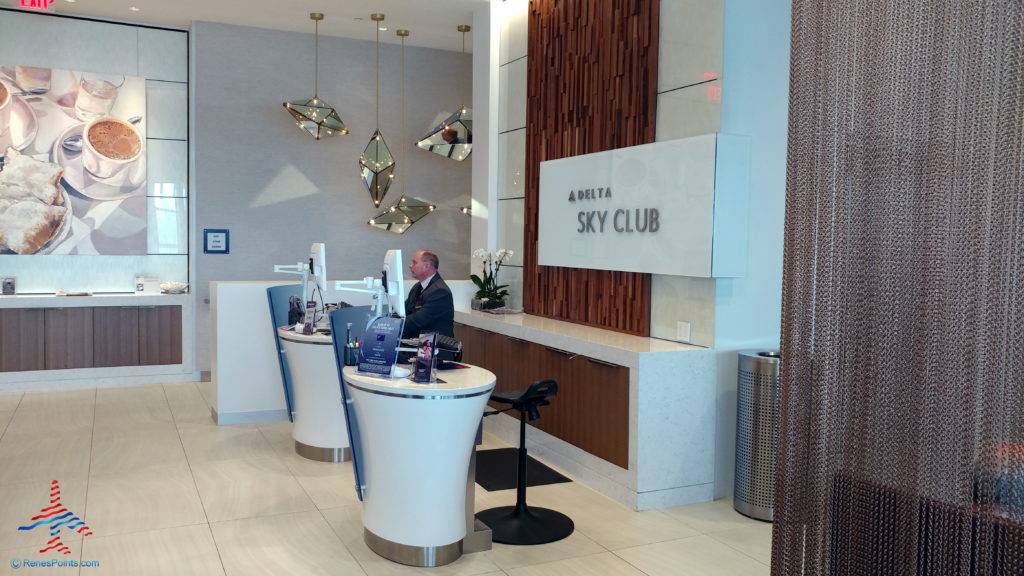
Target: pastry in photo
column 27, row 225
column 32, row 210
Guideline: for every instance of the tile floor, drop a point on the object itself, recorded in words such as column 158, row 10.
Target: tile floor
column 166, row 491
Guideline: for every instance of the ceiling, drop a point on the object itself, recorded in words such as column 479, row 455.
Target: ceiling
column 431, row 23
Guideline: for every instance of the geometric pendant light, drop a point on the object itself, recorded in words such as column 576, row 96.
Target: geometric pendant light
column 314, row 115
column 402, row 215
column 452, row 138
column 408, row 210
column 377, row 165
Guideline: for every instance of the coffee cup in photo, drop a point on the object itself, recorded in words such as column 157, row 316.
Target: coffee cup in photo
column 109, row 146
column 6, row 105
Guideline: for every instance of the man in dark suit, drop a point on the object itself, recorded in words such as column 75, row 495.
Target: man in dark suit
column 429, row 307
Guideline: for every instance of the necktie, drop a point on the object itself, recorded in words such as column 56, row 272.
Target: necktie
column 414, row 296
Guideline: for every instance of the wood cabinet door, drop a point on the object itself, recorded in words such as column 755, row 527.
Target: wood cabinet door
column 159, row 335
column 115, row 336
column 591, row 410
column 607, row 395
column 21, row 339
column 69, row 338
column 474, row 346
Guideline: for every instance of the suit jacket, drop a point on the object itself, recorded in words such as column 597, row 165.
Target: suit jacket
column 430, row 309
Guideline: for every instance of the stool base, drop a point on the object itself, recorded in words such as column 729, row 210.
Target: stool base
column 526, row 526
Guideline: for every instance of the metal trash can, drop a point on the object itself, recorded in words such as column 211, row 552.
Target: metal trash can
column 757, row 432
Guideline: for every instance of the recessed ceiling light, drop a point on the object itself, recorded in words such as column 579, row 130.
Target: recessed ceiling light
column 382, row 28
column 134, row 8
column 70, row 1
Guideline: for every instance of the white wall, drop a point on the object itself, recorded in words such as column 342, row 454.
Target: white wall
column 755, row 102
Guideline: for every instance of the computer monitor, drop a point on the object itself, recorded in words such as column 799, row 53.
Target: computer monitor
column 318, row 266
column 393, row 282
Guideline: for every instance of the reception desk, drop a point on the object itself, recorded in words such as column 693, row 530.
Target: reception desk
column 412, row 448
column 319, row 427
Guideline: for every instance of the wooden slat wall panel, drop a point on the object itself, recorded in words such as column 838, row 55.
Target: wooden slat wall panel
column 592, row 83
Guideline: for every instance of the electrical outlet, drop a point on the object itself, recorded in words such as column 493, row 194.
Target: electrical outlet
column 683, row 331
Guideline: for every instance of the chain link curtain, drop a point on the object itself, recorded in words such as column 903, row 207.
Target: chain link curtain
column 902, row 405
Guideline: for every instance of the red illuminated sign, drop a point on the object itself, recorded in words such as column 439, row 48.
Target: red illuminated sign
column 38, row 5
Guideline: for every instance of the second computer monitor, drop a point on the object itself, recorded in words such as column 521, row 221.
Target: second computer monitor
column 393, row 282
column 318, row 266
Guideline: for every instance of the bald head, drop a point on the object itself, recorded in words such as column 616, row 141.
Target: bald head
column 424, row 265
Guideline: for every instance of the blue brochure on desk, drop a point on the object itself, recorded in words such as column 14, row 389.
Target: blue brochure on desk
column 380, row 345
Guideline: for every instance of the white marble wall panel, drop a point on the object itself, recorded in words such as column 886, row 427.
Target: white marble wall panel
column 167, row 232
column 46, row 274
column 512, row 164
column 512, row 87
column 69, row 44
column 167, row 168
column 677, row 299
column 503, row 33
column 691, row 42
column 510, row 234
column 517, row 29
column 512, row 44
column 167, row 110
column 163, row 55
column 689, row 112
column 513, row 276
column 675, row 439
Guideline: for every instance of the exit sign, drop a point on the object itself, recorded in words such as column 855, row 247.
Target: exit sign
column 37, row 5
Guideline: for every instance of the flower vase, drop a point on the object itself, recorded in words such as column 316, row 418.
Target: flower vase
column 486, row 303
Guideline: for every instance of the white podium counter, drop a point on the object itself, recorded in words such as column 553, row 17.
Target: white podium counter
column 319, row 427
column 411, row 459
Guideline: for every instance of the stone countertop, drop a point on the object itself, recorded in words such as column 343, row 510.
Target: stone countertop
column 601, row 344
column 97, row 299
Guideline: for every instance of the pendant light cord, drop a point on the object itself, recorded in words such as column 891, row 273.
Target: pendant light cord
column 316, row 60
column 464, row 95
column 377, row 26
column 403, row 112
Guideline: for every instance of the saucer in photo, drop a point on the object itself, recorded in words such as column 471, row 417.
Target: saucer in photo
column 23, row 127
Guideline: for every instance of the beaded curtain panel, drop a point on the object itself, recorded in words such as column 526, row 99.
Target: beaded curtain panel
column 902, row 399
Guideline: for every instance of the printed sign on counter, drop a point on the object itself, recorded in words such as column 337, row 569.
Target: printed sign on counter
column 425, row 358
column 379, row 349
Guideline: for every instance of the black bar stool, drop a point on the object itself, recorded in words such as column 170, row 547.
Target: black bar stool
column 520, row 524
